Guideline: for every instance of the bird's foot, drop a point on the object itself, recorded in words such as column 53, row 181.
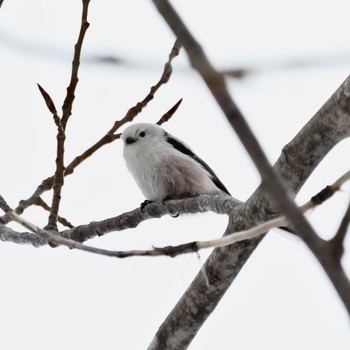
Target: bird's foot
column 144, row 203
column 164, row 200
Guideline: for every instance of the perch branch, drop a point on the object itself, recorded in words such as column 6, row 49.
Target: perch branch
column 72, row 238
column 236, row 236
column 216, row 203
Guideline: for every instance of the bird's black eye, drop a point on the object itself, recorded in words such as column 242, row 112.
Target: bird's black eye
column 142, row 134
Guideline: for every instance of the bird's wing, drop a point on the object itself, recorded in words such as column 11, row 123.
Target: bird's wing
column 181, row 147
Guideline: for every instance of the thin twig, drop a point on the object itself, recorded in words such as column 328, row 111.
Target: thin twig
column 164, row 118
column 68, row 102
column 3, row 205
column 169, row 114
column 58, row 181
column 61, row 123
column 58, row 177
column 40, row 202
column 56, row 240
column 131, row 113
column 47, row 184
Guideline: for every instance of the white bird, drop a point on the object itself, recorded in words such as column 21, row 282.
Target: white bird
column 165, row 167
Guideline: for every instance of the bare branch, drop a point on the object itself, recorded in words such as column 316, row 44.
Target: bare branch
column 48, row 183
column 7, row 234
column 200, row 299
column 3, row 205
column 337, row 242
column 171, row 251
column 40, row 202
column 216, row 84
column 58, row 179
column 219, row 204
column 131, row 113
column 56, row 240
column 165, row 117
column 216, row 203
column 169, row 114
column 68, row 102
column 228, row 239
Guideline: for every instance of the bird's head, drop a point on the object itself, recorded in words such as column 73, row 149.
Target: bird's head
column 142, row 135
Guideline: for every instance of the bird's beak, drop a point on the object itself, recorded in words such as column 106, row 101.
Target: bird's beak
column 129, row 140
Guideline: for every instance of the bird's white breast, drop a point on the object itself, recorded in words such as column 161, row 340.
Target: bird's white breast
column 162, row 172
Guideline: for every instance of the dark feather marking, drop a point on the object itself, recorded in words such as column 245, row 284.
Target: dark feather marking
column 183, row 149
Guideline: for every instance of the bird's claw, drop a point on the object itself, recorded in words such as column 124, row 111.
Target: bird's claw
column 144, row 203
column 164, row 202
column 165, row 199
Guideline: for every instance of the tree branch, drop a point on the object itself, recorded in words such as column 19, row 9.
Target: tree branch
column 169, row 114
column 200, row 299
column 3, row 205
column 41, row 203
column 337, row 242
column 216, row 203
column 109, row 137
column 68, row 102
column 62, row 122
column 7, row 234
column 216, row 84
column 58, row 178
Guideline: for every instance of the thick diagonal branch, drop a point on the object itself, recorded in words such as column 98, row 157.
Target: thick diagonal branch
column 224, row 264
column 337, row 242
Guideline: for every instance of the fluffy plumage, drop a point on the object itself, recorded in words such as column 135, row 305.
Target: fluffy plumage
column 164, row 167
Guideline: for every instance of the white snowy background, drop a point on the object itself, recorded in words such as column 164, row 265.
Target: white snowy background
column 298, row 53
